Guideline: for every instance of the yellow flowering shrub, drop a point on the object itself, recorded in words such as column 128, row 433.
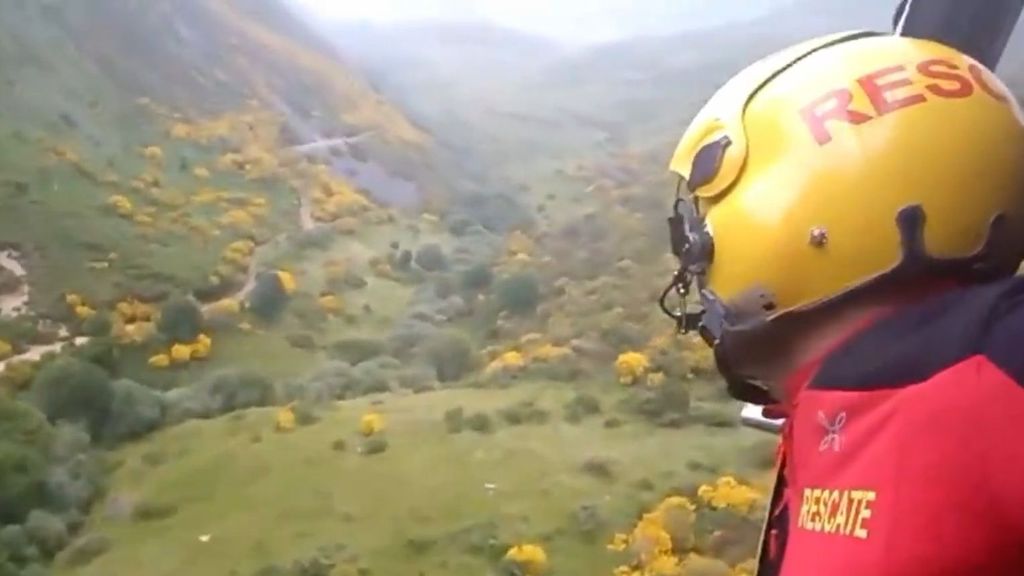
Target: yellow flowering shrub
column 201, row 347
column 727, row 492
column 630, row 367
column 655, row 378
column 659, row 539
column 73, row 300
column 6, row 350
column 288, row 282
column 200, row 172
column 285, row 420
column 143, row 220
column 225, row 307
column 371, row 423
column 84, row 312
column 511, row 361
column 550, row 353
column 18, row 374
column 330, row 303
column 181, row 353
column 237, row 218
column 133, row 332
column 531, row 559
column 159, row 361
column 153, row 153
column 519, row 243
column 121, row 204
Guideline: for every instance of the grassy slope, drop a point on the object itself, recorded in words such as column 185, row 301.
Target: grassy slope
column 287, row 495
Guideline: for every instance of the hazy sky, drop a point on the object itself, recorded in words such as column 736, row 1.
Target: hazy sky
column 569, row 20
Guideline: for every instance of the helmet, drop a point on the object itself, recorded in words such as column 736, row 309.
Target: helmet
column 839, row 164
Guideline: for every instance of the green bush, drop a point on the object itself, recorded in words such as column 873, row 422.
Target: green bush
column 477, row 277
column 431, row 257
column 519, row 293
column 718, row 416
column 232, row 390
column 76, row 391
column 480, row 422
column 268, row 298
column 25, row 440
column 102, row 352
column 181, row 320
column 302, row 341
column 524, row 412
column 84, row 550
column 357, row 350
column 16, row 546
column 451, row 355
column 77, row 473
column 134, row 412
column 339, row 445
column 454, row 419
column 600, row 468
column 581, row 406
column 47, row 531
column 150, row 511
column 97, row 325
column 374, row 445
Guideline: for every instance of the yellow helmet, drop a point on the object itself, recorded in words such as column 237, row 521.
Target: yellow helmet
column 811, row 175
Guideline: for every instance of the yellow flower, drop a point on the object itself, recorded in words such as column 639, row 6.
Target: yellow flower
column 285, row 421
column 371, row 423
column 6, row 350
column 727, row 492
column 287, row 281
column 84, row 312
column 153, row 153
column 330, row 303
column 73, row 300
column 510, row 361
column 159, row 361
column 550, row 353
column 630, row 367
column 201, row 347
column 225, row 307
column 200, row 172
column 181, row 353
column 530, row 558
column 655, row 378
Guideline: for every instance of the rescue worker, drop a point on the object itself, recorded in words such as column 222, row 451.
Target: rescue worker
column 850, row 216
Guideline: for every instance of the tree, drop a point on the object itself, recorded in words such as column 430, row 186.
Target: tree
column 431, row 258
column 451, row 354
column 25, row 439
column 180, row 320
column 518, row 293
column 477, row 277
column 76, row 391
column 268, row 297
column 134, row 411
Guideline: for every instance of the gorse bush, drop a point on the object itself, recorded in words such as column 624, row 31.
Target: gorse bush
column 476, row 278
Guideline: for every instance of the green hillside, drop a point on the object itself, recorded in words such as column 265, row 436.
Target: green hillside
column 270, row 308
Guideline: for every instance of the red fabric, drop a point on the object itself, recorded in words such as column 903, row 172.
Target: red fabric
column 923, row 480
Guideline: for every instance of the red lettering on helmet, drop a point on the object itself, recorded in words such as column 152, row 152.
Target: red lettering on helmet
column 946, row 71
column 881, row 94
column 980, row 78
column 834, row 105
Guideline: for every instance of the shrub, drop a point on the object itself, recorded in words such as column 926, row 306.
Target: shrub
column 84, row 550
column 373, row 445
column 134, row 411
column 102, row 352
column 403, row 261
column 47, row 531
column 148, row 511
column 180, row 320
column 77, row 473
column 339, row 445
column 525, row 412
column 480, row 422
column 25, row 439
column 451, row 355
column 718, row 417
column 301, row 340
column 358, row 350
column 268, row 298
column 431, row 258
column 454, row 419
column 580, row 406
column 589, row 522
column 97, row 325
column 477, row 277
column 76, row 391
column 519, row 293
column 232, row 390
column 600, row 468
